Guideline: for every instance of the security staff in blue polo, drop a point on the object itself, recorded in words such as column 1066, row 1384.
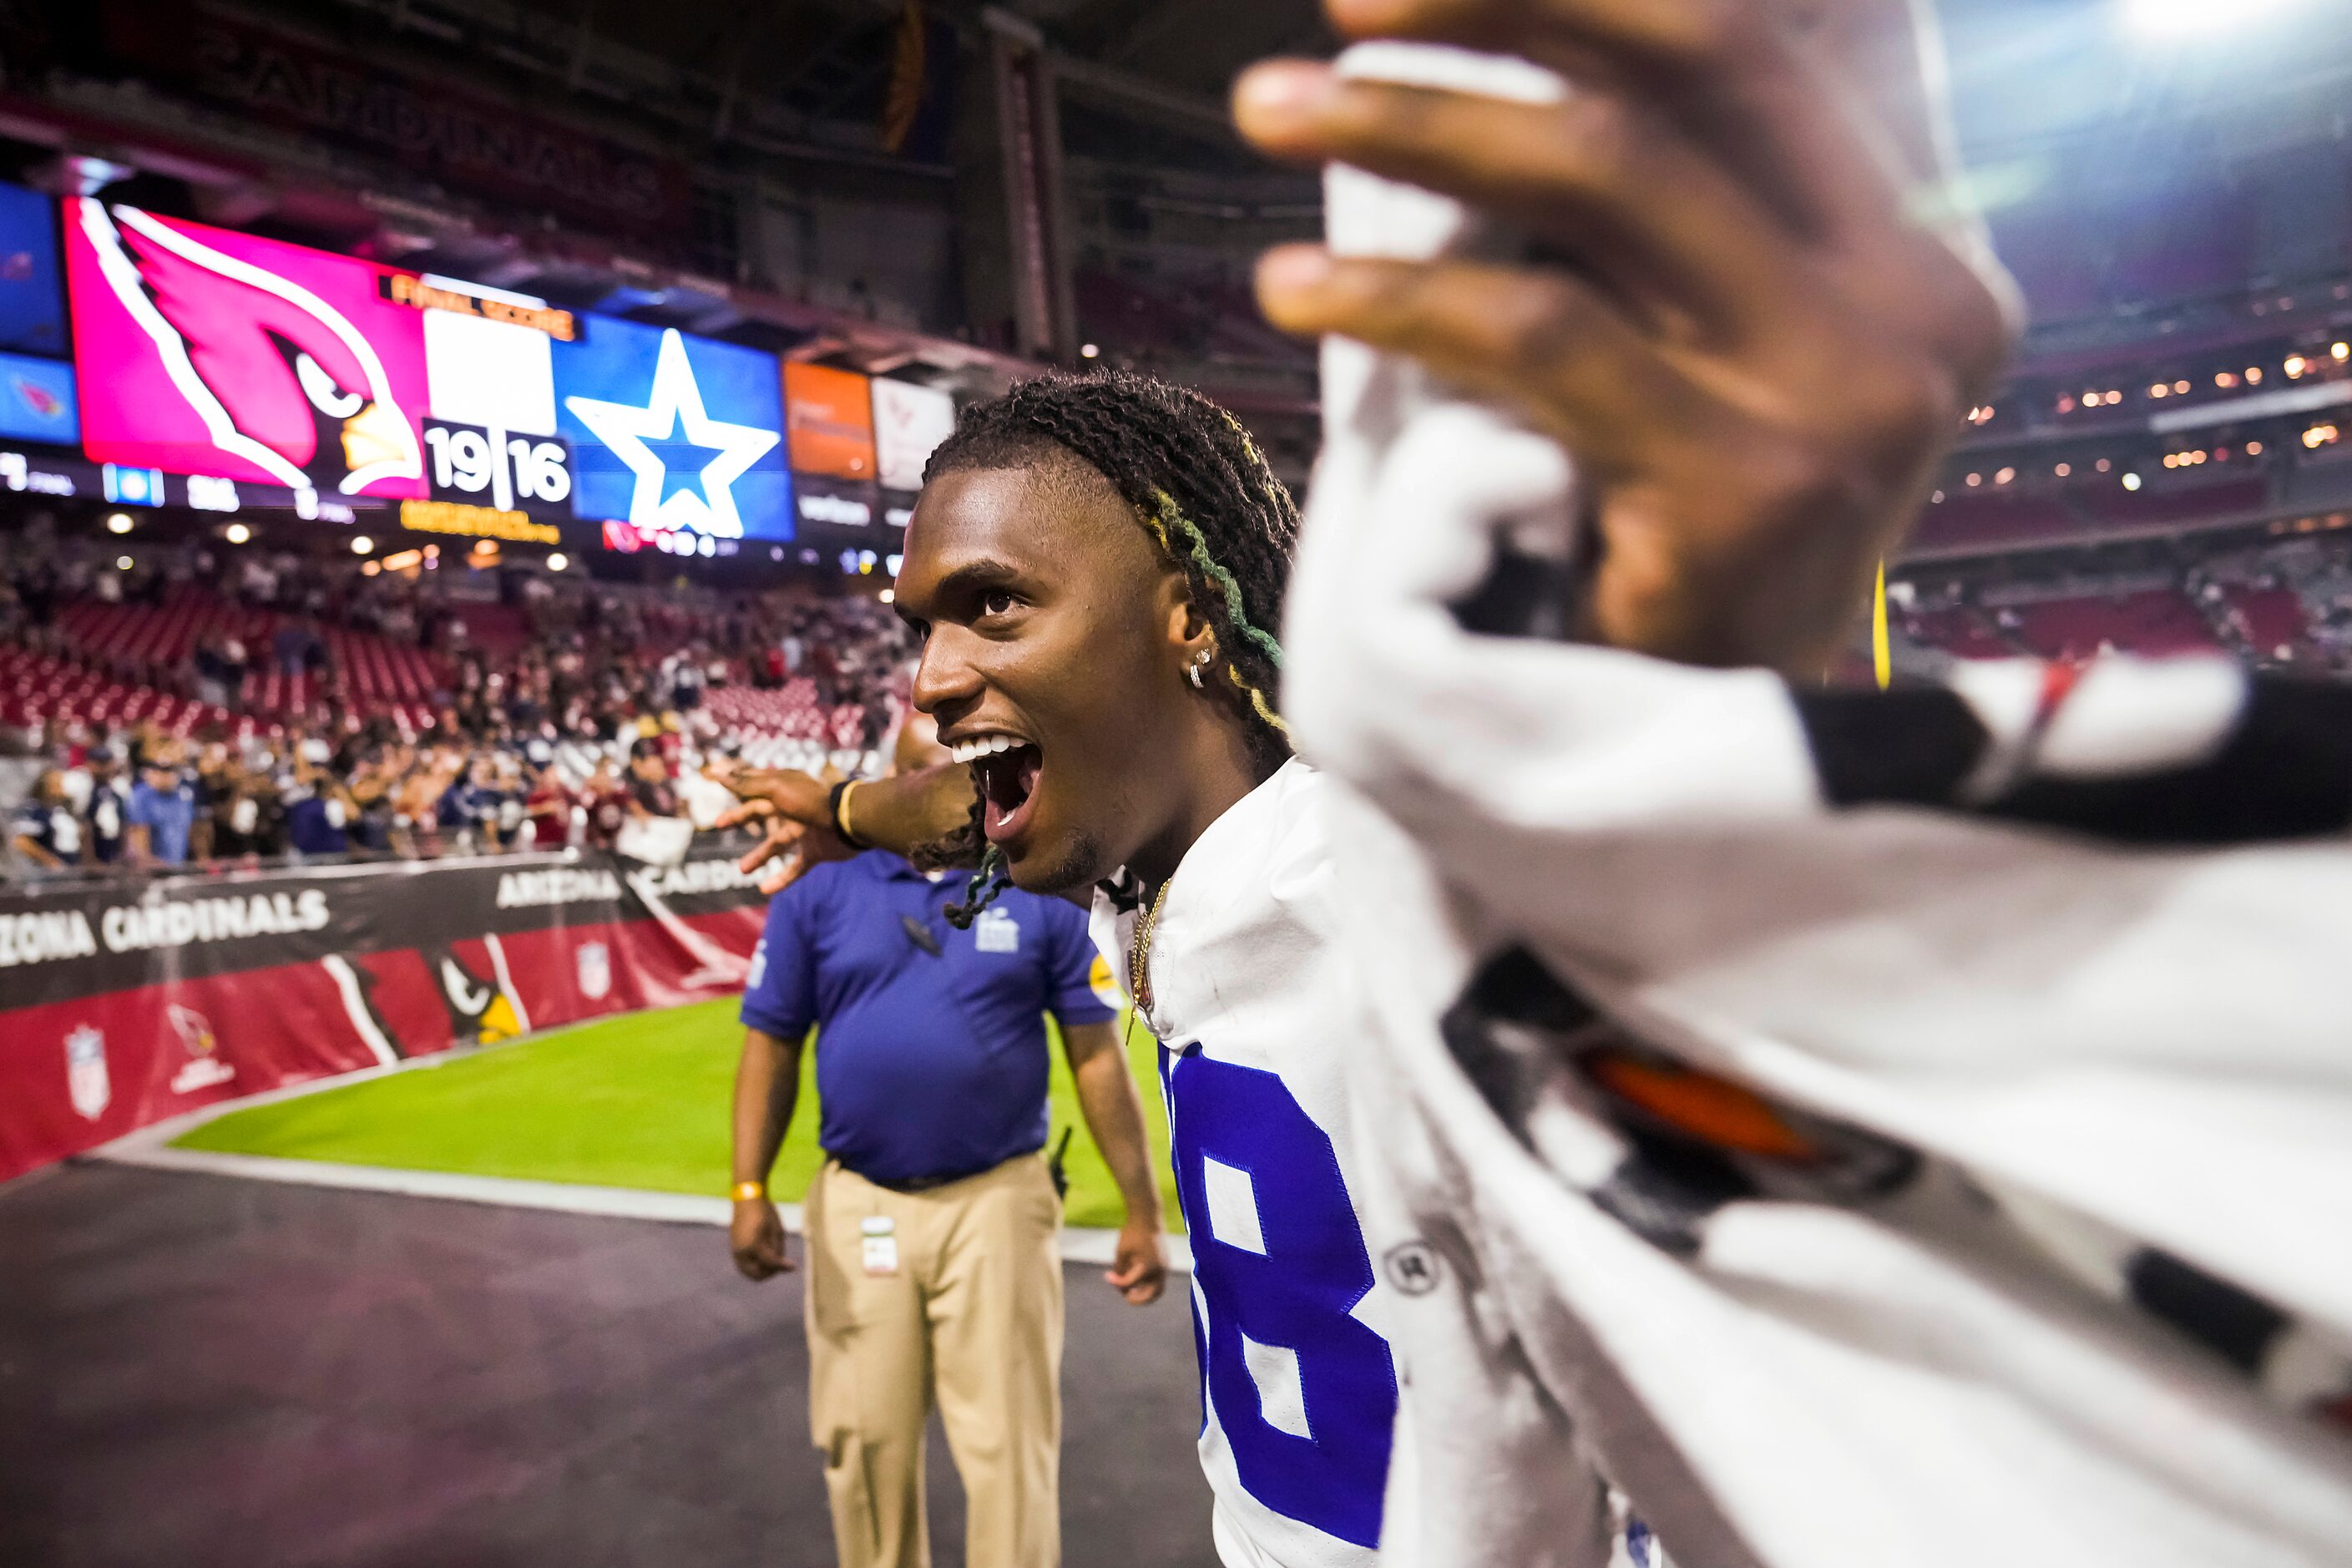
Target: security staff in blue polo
column 933, row 1272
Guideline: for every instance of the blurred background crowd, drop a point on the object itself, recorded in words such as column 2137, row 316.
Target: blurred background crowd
column 194, row 708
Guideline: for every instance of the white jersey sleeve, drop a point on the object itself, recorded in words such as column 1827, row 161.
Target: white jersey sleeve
column 1866, row 1129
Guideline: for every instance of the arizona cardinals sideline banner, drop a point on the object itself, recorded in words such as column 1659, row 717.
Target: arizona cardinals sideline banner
column 122, row 1005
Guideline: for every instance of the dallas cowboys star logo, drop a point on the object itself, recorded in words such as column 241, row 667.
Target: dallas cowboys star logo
column 665, row 499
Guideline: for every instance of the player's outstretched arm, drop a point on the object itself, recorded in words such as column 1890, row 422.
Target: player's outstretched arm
column 1757, row 321
column 898, row 814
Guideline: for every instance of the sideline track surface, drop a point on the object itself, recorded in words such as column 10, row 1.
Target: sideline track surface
column 200, row 1370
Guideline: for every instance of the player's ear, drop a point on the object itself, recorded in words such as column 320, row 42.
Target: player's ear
column 1188, row 630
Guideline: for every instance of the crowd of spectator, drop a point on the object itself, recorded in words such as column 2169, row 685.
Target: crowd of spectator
column 2281, row 602
column 591, row 710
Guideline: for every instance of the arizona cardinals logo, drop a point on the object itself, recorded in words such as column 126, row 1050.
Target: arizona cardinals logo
column 195, row 1030
column 482, row 1012
column 279, row 377
column 45, row 403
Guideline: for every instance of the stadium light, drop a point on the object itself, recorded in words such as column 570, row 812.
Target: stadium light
column 1089, row 351
column 122, row 564
column 2189, row 18
column 2131, row 482
column 557, row 562
column 236, row 534
column 118, row 522
column 363, row 544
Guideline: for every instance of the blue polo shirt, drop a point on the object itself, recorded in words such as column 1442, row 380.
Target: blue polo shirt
column 928, row 1064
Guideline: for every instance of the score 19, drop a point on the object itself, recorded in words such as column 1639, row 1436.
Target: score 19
column 511, row 472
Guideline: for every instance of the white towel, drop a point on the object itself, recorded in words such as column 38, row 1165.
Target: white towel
column 1909, row 1128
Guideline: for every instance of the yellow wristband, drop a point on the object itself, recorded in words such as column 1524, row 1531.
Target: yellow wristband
column 841, row 814
column 749, row 1192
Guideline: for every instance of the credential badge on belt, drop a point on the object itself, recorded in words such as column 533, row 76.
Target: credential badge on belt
column 881, row 1234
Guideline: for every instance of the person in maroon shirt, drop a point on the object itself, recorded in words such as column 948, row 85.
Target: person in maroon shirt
column 608, row 807
column 549, row 807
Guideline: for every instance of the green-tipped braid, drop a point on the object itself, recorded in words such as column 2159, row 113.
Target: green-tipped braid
column 1197, row 546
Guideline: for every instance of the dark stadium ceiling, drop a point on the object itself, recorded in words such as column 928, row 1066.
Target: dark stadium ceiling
column 1149, row 67
column 2040, row 83
column 1135, row 71
column 817, row 54
column 2024, row 69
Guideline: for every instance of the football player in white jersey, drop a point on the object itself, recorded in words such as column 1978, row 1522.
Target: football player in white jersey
column 1096, row 566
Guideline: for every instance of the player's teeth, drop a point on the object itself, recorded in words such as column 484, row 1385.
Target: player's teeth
column 984, row 746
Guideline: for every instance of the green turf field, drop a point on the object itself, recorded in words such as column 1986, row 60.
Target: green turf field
column 638, row 1101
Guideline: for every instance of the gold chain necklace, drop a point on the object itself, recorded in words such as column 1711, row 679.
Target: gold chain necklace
column 1138, row 949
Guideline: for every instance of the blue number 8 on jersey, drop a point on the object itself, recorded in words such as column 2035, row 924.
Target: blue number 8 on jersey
column 1306, row 1394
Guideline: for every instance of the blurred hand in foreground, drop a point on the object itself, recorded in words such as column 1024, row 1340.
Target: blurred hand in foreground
column 1758, row 319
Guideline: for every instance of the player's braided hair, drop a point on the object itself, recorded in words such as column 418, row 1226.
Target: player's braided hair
column 1200, row 487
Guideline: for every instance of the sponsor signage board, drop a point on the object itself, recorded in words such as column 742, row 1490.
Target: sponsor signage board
column 32, row 295
column 832, row 415
column 909, row 422
column 37, row 402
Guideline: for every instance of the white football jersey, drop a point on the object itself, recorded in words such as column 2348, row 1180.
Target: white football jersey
column 1871, row 1130
column 1253, row 1002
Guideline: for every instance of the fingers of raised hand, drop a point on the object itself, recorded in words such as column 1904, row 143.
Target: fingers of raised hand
column 1544, row 342
column 1677, row 38
column 1619, row 189
column 1777, row 97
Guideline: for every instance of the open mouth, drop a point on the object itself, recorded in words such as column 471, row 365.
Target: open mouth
column 1006, row 769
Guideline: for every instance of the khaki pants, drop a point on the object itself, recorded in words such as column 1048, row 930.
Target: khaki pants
column 971, row 1316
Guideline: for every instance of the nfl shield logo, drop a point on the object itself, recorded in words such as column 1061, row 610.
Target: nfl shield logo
column 595, row 971
column 86, row 1079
